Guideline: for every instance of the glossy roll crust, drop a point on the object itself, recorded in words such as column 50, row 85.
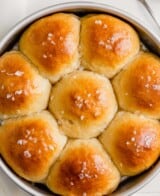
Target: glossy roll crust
column 133, row 142
column 107, row 44
column 85, row 105
column 138, row 86
column 51, row 43
column 22, row 89
column 31, row 144
column 83, row 169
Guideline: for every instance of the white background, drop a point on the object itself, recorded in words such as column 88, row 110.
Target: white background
column 12, row 11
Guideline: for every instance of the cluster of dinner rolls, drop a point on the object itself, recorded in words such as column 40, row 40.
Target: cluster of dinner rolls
column 79, row 104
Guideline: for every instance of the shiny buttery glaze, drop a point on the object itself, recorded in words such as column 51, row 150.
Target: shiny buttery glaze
column 85, row 106
column 107, row 44
column 133, row 142
column 31, row 144
column 52, row 44
column 88, row 172
column 20, row 86
column 138, row 86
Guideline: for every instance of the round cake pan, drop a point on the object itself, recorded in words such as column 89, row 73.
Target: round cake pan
column 151, row 40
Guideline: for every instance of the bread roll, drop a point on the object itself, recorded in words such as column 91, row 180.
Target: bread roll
column 51, row 43
column 107, row 43
column 83, row 169
column 84, row 103
column 22, row 89
column 138, row 86
column 31, row 144
column 133, row 142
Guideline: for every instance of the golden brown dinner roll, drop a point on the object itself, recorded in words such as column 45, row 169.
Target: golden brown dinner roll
column 31, row 144
column 84, row 103
column 133, row 142
column 83, row 169
column 138, row 86
column 51, row 43
column 22, row 89
column 107, row 43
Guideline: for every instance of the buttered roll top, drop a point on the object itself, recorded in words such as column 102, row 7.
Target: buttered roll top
column 51, row 43
column 22, row 89
column 133, row 142
column 85, row 105
column 31, row 144
column 138, row 86
column 107, row 44
column 83, row 169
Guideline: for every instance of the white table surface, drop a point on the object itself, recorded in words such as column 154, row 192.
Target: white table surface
column 13, row 11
